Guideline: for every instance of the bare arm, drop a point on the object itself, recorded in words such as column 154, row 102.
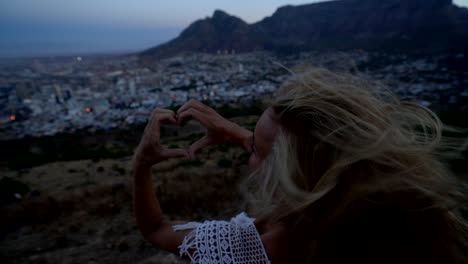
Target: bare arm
column 148, row 212
column 149, row 215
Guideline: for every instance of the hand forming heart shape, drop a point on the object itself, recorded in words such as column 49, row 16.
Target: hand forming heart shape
column 219, row 131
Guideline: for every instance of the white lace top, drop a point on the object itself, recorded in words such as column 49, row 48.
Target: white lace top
column 236, row 241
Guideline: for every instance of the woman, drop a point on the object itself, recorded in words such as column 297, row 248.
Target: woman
column 341, row 172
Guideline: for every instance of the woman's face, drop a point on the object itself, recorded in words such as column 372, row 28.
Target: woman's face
column 263, row 138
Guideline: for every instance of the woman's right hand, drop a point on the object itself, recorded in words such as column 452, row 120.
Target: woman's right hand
column 219, row 129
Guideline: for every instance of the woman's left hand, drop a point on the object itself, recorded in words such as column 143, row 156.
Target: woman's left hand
column 150, row 151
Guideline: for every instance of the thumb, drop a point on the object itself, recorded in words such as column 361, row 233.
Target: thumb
column 176, row 153
column 198, row 145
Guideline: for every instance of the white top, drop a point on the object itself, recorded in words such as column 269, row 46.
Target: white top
column 236, row 241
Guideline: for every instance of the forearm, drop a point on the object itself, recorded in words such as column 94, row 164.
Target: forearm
column 148, row 212
column 241, row 136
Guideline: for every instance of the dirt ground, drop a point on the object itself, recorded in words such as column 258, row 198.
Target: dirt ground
column 81, row 211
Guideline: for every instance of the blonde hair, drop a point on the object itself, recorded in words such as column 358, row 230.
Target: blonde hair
column 350, row 155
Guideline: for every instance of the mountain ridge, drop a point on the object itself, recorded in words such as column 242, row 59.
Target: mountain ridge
column 408, row 25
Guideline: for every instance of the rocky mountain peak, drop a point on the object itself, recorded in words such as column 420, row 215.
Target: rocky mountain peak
column 220, row 14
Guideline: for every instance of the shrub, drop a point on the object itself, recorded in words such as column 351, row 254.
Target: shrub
column 9, row 187
column 173, row 146
column 191, row 163
column 224, row 163
column 118, row 169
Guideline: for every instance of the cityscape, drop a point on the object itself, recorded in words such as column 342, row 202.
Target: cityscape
column 46, row 96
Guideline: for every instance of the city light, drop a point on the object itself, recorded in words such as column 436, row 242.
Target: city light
column 55, row 103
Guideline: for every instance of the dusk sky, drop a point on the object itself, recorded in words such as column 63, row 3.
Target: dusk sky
column 38, row 27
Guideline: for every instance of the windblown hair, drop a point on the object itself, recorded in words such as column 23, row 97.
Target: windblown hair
column 360, row 175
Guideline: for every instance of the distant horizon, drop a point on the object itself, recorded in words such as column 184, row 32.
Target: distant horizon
column 99, row 46
column 86, row 27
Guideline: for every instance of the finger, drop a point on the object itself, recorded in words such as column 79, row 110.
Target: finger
column 154, row 124
column 175, row 153
column 171, row 118
column 195, row 114
column 159, row 117
column 159, row 111
column 192, row 103
column 156, row 116
column 198, row 145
